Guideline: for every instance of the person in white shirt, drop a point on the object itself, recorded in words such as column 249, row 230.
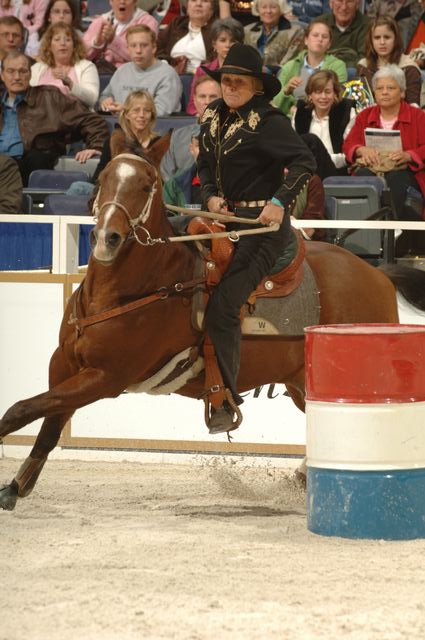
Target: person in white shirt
column 144, row 71
column 324, row 120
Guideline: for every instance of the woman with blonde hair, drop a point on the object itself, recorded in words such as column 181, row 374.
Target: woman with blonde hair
column 324, row 119
column 63, row 64
column 384, row 45
column 135, row 133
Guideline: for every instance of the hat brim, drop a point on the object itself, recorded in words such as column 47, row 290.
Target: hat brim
column 271, row 84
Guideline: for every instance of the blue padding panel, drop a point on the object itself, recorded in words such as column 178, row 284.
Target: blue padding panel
column 25, row 246
column 386, row 505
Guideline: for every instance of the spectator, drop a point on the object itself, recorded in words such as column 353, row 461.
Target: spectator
column 224, row 33
column 38, row 122
column 307, row 10
column 186, row 42
column 136, row 127
column 403, row 168
column 105, row 38
column 63, row 65
column 178, row 156
column 242, row 10
column 349, row 27
column 10, row 186
column 66, row 11
column 11, row 35
column 29, row 12
column 323, row 120
column 144, row 71
column 296, row 72
column 384, row 45
column 184, row 187
column 162, row 10
column 273, row 35
column 405, row 12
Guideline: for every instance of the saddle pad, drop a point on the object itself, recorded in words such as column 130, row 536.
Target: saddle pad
column 286, row 316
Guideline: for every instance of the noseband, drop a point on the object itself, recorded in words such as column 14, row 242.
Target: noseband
column 143, row 216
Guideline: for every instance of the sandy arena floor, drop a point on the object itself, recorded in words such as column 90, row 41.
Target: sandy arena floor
column 104, row 551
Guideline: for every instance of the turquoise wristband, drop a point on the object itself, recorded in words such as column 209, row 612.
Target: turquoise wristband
column 278, row 202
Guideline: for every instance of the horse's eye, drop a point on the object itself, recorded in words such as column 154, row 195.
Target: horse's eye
column 147, row 189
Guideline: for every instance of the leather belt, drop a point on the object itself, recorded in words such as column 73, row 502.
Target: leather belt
column 248, row 204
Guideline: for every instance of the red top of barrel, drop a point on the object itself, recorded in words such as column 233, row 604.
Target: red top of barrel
column 365, row 363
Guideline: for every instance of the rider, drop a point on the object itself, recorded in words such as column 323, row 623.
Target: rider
column 251, row 164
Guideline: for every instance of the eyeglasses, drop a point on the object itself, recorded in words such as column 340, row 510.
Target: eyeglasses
column 16, row 72
column 10, row 34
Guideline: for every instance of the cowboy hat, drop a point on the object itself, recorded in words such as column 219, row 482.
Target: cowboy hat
column 244, row 60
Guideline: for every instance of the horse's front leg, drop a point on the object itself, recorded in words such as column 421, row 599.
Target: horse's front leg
column 24, row 481
column 79, row 390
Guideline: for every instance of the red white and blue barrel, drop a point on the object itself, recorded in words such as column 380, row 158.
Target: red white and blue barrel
column 365, row 408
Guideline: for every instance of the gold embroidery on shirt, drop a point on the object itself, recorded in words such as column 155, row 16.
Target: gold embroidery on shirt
column 214, row 125
column 233, row 127
column 208, row 113
column 253, row 119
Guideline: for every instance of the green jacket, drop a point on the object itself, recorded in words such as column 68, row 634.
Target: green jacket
column 293, row 67
column 349, row 45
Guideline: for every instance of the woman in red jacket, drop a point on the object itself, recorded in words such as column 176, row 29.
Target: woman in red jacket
column 401, row 168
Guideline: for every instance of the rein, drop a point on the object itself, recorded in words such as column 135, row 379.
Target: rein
column 161, row 294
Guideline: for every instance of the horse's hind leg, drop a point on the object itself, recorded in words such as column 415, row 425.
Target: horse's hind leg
column 24, row 481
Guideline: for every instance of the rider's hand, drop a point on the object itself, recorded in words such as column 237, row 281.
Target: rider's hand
column 270, row 214
column 216, row 204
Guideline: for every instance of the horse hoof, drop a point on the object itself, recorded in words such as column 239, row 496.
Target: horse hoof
column 8, row 496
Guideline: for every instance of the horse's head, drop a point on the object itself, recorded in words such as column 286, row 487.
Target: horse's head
column 123, row 204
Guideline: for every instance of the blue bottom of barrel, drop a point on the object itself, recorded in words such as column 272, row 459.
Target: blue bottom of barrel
column 388, row 505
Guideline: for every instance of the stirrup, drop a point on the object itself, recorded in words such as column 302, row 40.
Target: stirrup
column 225, row 418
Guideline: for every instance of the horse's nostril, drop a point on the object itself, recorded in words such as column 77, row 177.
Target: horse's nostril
column 113, row 240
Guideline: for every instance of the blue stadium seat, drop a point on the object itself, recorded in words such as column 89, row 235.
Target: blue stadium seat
column 96, row 7
column 173, row 122
column 50, row 179
column 186, row 80
column 61, row 204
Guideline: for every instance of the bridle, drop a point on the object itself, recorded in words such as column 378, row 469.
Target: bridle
column 143, row 217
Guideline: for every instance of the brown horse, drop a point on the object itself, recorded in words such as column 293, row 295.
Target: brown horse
column 101, row 353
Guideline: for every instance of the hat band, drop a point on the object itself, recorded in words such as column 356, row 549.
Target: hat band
column 233, row 67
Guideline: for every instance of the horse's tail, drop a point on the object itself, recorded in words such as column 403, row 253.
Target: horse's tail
column 410, row 282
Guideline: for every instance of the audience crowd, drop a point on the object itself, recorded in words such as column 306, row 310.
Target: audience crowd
column 63, row 71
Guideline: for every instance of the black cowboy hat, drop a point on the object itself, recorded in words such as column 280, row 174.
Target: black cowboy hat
column 244, row 60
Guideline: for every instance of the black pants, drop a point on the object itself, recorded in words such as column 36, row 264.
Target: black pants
column 324, row 162
column 253, row 259
column 35, row 159
column 398, row 182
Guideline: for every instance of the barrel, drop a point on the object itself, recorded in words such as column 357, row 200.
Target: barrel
column 365, row 410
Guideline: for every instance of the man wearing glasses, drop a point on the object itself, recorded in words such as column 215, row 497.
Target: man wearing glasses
column 349, row 27
column 36, row 123
column 11, row 35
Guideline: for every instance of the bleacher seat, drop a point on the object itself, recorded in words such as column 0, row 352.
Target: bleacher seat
column 104, row 79
column 66, row 163
column 60, row 204
column 51, row 179
column 96, row 7
column 186, row 80
column 357, row 198
column 173, row 122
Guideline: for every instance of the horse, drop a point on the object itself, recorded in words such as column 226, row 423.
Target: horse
column 131, row 314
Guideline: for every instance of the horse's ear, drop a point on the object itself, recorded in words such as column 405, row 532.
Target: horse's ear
column 118, row 142
column 159, row 148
